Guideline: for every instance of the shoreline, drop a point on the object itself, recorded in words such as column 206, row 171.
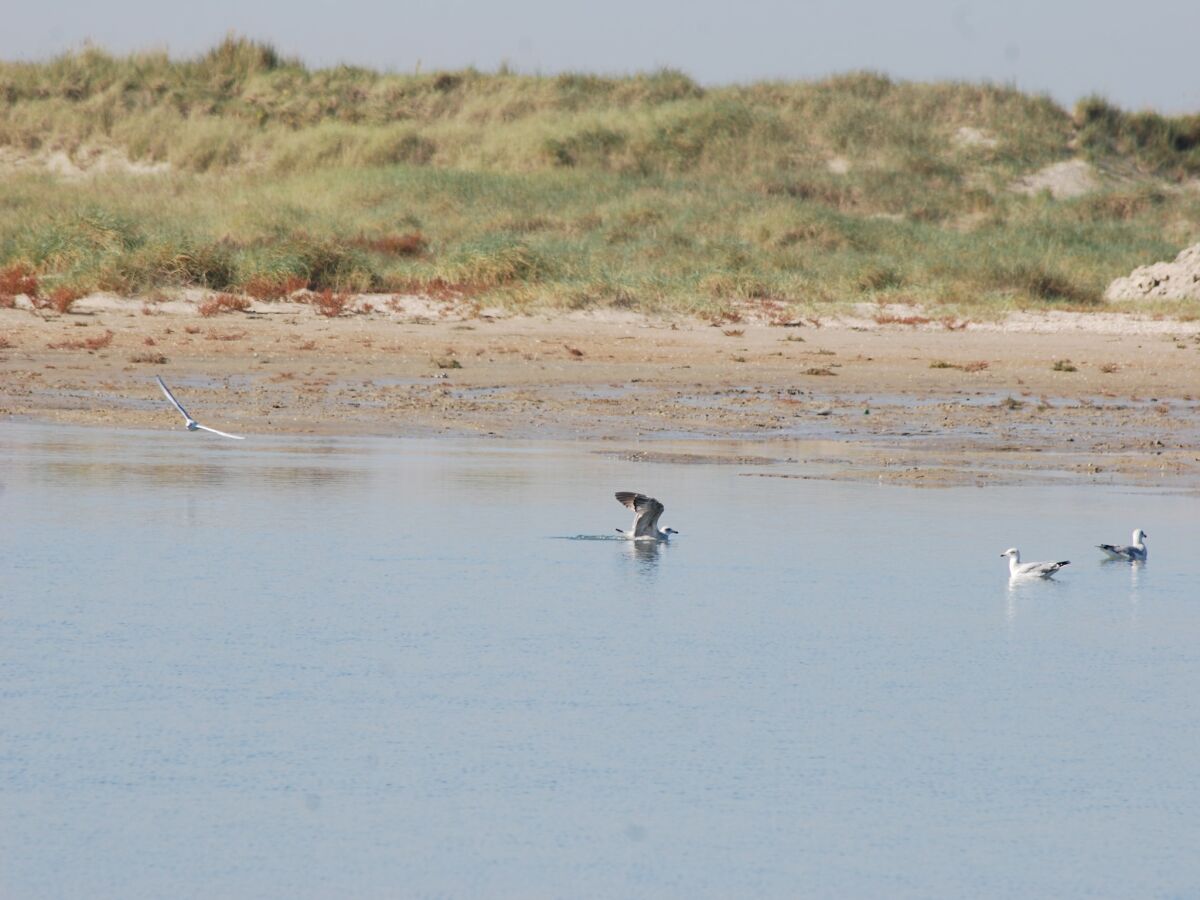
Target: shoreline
column 1104, row 397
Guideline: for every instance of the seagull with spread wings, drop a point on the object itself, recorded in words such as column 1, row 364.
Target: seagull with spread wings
column 192, row 424
column 645, row 522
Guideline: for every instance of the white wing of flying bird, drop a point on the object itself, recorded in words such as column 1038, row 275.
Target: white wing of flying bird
column 175, row 403
column 1135, row 552
column 1018, row 569
column 236, row 437
column 192, row 424
column 645, row 522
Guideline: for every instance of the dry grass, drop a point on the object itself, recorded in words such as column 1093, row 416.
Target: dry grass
column 978, row 365
column 413, row 244
column 18, row 278
column 95, row 343
column 62, row 298
column 274, row 287
column 222, row 303
column 330, row 304
column 156, row 359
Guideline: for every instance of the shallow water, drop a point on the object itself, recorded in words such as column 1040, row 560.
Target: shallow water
column 379, row 668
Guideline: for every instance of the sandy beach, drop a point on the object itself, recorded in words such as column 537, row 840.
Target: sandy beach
column 875, row 395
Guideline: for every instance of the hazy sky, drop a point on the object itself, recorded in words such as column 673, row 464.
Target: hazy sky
column 1138, row 54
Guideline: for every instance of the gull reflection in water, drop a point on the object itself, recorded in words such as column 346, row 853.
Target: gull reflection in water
column 645, row 553
column 1135, row 595
column 1020, row 589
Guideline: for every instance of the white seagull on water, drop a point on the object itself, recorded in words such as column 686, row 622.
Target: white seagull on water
column 645, row 522
column 1135, row 552
column 1018, row 569
column 192, row 424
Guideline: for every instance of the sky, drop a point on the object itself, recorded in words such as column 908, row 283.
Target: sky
column 1138, row 55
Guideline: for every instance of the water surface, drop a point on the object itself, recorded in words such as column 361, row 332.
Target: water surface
column 378, row 668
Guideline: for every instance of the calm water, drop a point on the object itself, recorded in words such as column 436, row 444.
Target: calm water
column 333, row 668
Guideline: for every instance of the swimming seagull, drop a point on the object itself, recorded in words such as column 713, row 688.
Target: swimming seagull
column 645, row 522
column 192, row 424
column 1136, row 552
column 1018, row 569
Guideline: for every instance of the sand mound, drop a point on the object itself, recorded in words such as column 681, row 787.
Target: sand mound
column 974, row 137
column 1070, row 178
column 78, row 164
column 1178, row 280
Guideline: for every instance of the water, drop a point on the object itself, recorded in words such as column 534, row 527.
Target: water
column 326, row 668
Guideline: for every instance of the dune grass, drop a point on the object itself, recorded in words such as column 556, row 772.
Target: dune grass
column 646, row 192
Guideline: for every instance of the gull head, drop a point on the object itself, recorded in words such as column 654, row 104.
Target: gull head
column 1139, row 537
column 1013, row 553
column 670, row 531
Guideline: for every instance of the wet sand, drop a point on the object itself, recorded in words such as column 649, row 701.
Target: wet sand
column 1101, row 397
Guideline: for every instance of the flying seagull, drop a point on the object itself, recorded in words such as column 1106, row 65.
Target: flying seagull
column 192, row 424
column 645, row 522
column 1018, row 569
column 1135, row 552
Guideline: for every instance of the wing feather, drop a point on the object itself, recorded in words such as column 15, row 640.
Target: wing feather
column 648, row 518
column 647, row 511
column 179, row 406
column 236, row 437
column 1041, row 569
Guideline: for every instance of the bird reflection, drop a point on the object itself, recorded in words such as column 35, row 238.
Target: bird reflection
column 1019, row 589
column 1015, row 589
column 1135, row 596
column 645, row 554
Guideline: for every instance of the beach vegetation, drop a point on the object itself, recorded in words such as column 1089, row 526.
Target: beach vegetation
column 247, row 173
